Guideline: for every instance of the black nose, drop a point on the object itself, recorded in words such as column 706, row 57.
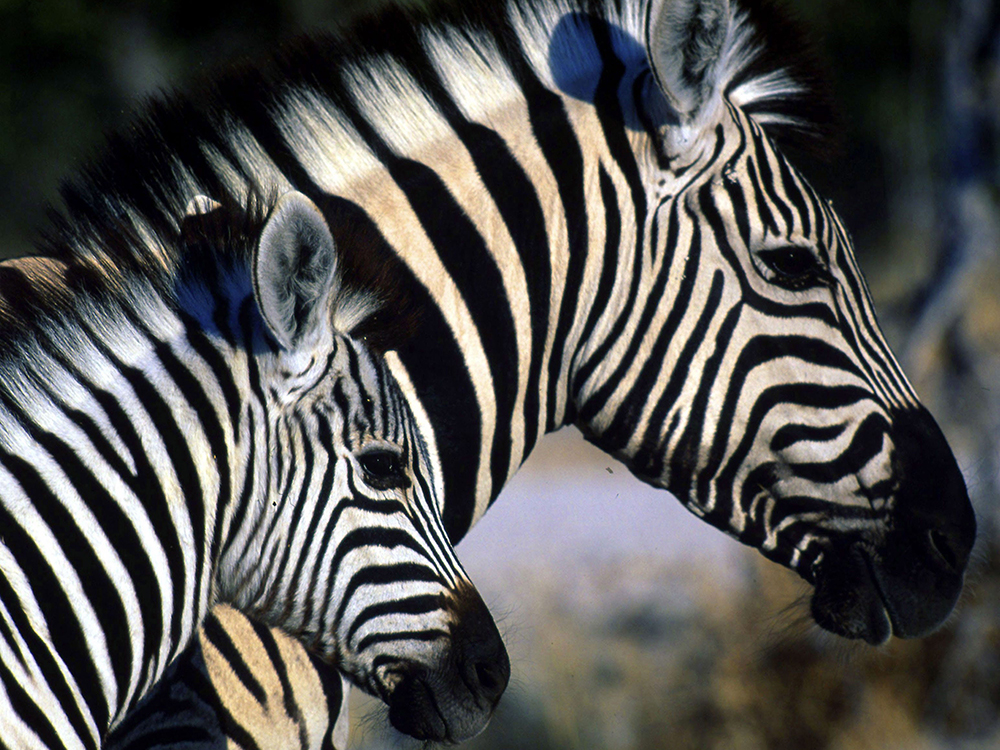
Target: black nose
column 920, row 564
column 933, row 508
column 480, row 655
column 905, row 579
column 453, row 700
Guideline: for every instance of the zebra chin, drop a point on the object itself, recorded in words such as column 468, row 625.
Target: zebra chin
column 905, row 581
column 455, row 700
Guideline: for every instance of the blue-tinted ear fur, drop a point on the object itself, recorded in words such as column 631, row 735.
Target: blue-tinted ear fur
column 686, row 40
column 295, row 273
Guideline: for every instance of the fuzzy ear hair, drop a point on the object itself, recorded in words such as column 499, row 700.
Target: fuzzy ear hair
column 685, row 41
column 295, row 272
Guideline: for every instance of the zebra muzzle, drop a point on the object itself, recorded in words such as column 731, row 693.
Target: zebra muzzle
column 907, row 581
column 455, row 701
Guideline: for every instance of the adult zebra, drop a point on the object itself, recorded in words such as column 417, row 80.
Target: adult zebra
column 584, row 204
column 200, row 426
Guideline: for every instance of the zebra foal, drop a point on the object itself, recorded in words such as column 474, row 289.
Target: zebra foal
column 205, row 429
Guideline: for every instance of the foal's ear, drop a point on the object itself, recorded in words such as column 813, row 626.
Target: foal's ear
column 295, row 272
column 686, row 42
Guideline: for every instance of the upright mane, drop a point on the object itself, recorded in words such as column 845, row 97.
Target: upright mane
column 123, row 212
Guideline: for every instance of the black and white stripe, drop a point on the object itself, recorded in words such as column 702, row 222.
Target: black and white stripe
column 243, row 686
column 212, row 433
column 584, row 205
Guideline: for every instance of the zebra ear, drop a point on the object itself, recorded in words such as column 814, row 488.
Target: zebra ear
column 295, row 272
column 685, row 43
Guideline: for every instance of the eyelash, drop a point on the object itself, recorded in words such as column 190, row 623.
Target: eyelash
column 384, row 469
column 794, row 267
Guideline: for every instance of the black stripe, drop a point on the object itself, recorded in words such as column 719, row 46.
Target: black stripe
column 325, row 436
column 384, row 575
column 266, row 637
column 609, row 113
column 625, row 421
column 296, row 512
column 560, row 147
column 789, row 434
column 693, row 435
column 40, row 652
column 712, row 216
column 219, row 637
column 465, row 256
column 740, row 210
column 383, row 538
column 192, row 496
column 247, row 319
column 426, row 636
column 793, row 194
column 609, row 268
column 421, row 604
column 519, row 206
column 760, row 350
column 247, row 491
column 767, row 181
column 867, row 441
column 30, row 713
column 427, row 513
column 100, row 590
column 322, row 498
column 221, row 367
column 67, row 637
column 367, row 405
column 809, row 395
column 439, row 375
column 654, row 449
column 210, row 421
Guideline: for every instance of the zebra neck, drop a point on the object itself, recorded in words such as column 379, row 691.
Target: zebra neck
column 114, row 456
column 528, row 274
column 504, row 284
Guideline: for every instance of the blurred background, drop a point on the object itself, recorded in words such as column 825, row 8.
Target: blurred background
column 630, row 623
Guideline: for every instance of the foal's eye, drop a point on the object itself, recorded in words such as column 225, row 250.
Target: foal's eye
column 384, row 469
column 794, row 267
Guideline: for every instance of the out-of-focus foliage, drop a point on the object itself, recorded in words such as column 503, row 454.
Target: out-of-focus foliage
column 638, row 656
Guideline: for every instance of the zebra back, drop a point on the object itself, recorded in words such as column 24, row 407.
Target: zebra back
column 241, row 686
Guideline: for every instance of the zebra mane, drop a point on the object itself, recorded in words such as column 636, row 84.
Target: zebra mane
column 773, row 73
column 123, row 213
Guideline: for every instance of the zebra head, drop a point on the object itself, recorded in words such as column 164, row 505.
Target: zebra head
column 352, row 557
column 769, row 401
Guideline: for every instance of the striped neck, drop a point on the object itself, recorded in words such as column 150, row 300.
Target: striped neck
column 115, row 487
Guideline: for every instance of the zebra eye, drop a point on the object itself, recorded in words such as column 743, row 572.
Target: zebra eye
column 793, row 267
column 384, row 469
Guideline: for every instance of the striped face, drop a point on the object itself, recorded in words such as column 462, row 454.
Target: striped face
column 771, row 404
column 383, row 596
column 347, row 551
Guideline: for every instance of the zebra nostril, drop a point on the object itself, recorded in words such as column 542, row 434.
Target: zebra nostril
column 942, row 546
column 491, row 680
